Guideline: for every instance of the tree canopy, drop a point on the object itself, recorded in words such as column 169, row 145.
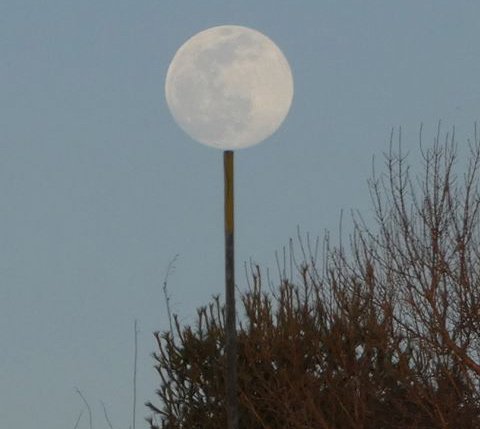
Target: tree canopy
column 382, row 334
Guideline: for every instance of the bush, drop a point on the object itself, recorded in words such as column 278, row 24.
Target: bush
column 384, row 335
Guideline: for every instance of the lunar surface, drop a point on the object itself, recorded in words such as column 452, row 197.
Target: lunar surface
column 229, row 87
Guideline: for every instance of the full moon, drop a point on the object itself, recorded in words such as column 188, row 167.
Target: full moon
column 229, row 87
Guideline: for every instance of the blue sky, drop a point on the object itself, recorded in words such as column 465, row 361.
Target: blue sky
column 100, row 188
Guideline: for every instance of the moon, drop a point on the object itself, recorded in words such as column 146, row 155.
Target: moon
column 229, row 87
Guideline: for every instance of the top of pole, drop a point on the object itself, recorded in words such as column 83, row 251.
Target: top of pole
column 228, row 167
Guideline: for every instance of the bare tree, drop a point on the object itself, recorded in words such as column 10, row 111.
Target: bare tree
column 383, row 334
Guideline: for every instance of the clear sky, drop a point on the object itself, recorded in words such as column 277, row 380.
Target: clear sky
column 99, row 188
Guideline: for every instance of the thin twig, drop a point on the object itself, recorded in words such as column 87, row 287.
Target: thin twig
column 87, row 405
column 170, row 270
column 106, row 415
column 135, row 374
column 78, row 420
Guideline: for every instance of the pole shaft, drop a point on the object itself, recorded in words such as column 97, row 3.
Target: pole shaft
column 230, row 323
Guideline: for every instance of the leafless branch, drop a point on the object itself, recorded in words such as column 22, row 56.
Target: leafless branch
column 90, row 420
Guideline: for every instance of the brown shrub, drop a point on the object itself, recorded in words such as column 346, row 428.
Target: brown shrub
column 386, row 335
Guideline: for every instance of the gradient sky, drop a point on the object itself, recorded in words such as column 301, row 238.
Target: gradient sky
column 99, row 188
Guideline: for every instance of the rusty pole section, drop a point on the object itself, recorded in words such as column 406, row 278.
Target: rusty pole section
column 230, row 323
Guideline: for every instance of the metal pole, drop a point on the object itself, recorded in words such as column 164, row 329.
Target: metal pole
column 230, row 324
